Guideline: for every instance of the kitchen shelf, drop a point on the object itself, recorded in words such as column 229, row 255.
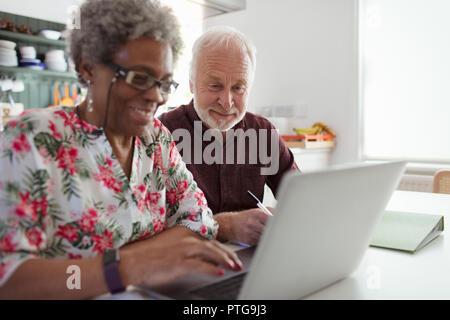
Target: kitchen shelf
column 40, row 73
column 16, row 36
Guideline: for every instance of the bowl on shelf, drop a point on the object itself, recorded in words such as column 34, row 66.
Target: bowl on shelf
column 50, row 34
column 8, row 61
column 29, row 60
column 8, row 52
column 56, row 65
column 31, row 63
column 54, row 54
column 28, row 52
column 7, row 44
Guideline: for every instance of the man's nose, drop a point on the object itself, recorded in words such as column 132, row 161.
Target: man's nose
column 226, row 100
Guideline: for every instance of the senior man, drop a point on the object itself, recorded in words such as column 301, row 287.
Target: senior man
column 228, row 150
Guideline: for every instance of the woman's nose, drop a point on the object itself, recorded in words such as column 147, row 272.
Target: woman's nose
column 154, row 94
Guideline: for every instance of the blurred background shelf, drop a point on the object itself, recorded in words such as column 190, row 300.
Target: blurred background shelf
column 30, row 39
column 39, row 73
column 39, row 84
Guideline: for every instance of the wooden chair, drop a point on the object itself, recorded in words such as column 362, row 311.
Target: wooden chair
column 442, row 182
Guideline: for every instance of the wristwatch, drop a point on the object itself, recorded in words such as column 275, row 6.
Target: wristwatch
column 111, row 260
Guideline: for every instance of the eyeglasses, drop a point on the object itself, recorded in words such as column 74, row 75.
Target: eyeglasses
column 143, row 81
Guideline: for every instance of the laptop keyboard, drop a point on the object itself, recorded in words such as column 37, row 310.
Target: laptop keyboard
column 227, row 289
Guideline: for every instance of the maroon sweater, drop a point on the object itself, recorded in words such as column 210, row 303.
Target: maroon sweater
column 225, row 184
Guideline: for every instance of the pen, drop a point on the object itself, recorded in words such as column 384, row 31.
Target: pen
column 259, row 204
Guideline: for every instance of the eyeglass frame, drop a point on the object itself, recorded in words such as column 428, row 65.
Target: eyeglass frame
column 127, row 75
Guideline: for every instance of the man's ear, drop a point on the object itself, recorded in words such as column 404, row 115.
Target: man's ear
column 86, row 70
column 191, row 86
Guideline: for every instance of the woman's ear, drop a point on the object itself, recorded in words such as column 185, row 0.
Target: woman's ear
column 86, row 70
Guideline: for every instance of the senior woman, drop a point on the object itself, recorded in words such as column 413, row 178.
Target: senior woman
column 80, row 185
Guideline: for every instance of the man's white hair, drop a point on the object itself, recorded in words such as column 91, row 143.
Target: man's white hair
column 219, row 36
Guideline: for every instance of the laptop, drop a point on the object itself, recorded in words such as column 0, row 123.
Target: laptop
column 319, row 232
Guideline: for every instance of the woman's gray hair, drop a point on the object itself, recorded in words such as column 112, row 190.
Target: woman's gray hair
column 222, row 36
column 106, row 25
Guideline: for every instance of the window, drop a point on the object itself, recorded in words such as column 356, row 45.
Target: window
column 405, row 79
column 191, row 20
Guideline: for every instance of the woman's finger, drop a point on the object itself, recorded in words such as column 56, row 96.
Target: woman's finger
column 230, row 253
column 209, row 251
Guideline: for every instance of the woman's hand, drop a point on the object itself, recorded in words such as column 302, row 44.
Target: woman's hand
column 174, row 253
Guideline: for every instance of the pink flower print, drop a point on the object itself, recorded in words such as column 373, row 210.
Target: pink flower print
column 50, row 186
column 138, row 142
column 68, row 232
column 86, row 241
column 40, row 207
column 67, row 158
column 106, row 176
column 182, row 186
column 157, row 226
column 25, row 208
column 142, row 188
column 201, row 201
column 35, row 237
column 157, row 157
column 87, row 224
column 74, row 256
column 43, row 152
column 153, row 198
column 112, row 209
column 75, row 215
column 88, row 221
column 204, row 229
column 7, row 244
column 156, row 123
column 20, row 144
column 103, row 243
column 193, row 215
column 54, row 131
column 13, row 123
column 171, row 196
column 174, row 159
column 141, row 204
column 72, row 121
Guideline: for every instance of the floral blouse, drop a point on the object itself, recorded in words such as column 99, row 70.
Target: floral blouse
column 63, row 194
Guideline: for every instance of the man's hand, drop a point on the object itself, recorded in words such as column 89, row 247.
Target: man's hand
column 243, row 226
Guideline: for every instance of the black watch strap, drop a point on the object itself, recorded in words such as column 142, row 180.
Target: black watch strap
column 111, row 260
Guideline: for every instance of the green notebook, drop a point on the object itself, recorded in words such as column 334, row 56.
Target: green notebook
column 406, row 231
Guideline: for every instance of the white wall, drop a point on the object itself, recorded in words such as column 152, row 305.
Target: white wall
column 307, row 53
column 41, row 9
